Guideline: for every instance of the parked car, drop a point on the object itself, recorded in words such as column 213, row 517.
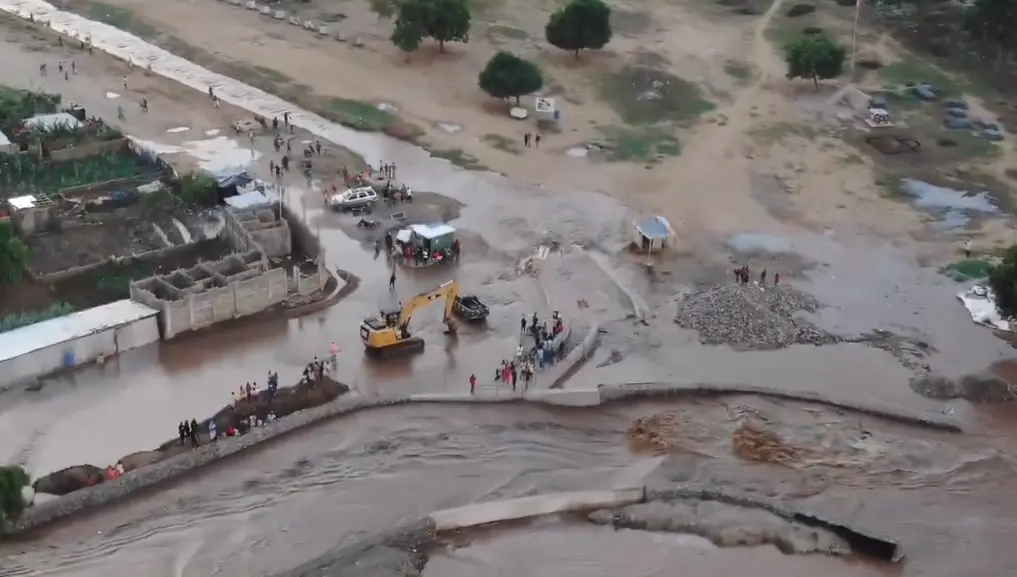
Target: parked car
column 354, row 198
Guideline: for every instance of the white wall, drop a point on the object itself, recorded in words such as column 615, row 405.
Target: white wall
column 86, row 349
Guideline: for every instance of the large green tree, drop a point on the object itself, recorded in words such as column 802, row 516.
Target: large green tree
column 1003, row 282
column 442, row 20
column 12, row 480
column 407, row 36
column 507, row 75
column 13, row 254
column 580, row 25
column 814, row 57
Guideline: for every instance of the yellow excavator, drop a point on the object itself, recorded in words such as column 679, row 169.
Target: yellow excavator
column 388, row 333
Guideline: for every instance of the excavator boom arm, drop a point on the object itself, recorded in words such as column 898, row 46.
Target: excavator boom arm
column 448, row 290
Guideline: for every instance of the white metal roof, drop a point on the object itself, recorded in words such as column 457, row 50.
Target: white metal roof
column 4, row 141
column 62, row 329
column 50, row 121
column 247, row 200
column 22, row 202
column 432, row 231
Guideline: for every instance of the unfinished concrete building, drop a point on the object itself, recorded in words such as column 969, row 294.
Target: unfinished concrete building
column 252, row 280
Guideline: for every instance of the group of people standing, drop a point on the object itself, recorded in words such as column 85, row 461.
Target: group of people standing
column 188, row 431
column 743, row 275
column 543, row 353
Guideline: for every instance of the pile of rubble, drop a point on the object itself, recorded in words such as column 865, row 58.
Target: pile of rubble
column 748, row 316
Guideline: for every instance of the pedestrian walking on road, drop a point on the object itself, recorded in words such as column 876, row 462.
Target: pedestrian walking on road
column 526, row 140
column 182, row 432
column 125, row 83
column 536, row 141
column 391, row 282
column 473, row 383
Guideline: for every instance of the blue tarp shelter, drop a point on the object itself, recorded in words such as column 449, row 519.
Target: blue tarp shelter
column 653, row 234
column 230, row 180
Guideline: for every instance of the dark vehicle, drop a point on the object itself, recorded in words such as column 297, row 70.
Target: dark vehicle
column 470, row 308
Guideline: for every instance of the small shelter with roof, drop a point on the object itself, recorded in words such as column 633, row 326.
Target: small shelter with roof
column 425, row 244
column 653, row 234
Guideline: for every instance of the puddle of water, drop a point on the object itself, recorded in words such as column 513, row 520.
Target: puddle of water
column 754, row 242
column 956, row 208
column 213, row 155
column 179, row 129
column 112, row 95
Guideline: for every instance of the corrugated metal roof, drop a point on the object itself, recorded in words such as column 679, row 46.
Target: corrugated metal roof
column 655, row 228
column 432, row 231
column 22, row 202
column 62, row 329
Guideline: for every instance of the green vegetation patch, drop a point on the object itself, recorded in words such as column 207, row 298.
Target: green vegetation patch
column 502, row 143
column 458, row 157
column 122, row 18
column 29, row 174
column 741, row 72
column 360, row 115
column 18, row 320
column 968, row 269
column 113, row 279
column 647, row 145
column 17, row 105
column 971, row 143
column 642, row 95
column 914, row 71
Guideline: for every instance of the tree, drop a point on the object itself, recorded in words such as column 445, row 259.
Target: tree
column 197, row 189
column 385, row 9
column 13, row 479
column 994, row 22
column 1003, row 282
column 13, row 254
column 580, row 25
column 442, row 20
column 507, row 75
column 814, row 57
column 407, row 36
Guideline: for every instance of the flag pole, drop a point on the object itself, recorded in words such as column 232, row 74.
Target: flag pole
column 854, row 33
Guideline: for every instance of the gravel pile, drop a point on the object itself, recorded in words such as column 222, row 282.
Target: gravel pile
column 749, row 317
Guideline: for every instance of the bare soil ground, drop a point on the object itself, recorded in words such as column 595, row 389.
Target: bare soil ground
column 688, row 108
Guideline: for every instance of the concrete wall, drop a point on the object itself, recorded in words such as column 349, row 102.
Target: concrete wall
column 32, row 220
column 477, row 514
column 90, row 149
column 238, row 285
column 211, row 296
column 85, row 349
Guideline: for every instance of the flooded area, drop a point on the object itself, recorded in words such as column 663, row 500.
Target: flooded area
column 292, row 501
column 592, row 552
column 526, row 250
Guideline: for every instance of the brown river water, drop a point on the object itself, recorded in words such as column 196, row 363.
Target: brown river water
column 948, row 498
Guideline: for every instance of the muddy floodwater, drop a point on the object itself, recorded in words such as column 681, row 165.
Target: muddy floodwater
column 947, row 497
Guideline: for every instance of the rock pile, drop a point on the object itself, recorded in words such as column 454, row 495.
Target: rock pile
column 748, row 316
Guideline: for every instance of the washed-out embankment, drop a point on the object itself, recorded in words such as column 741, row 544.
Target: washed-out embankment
column 90, row 498
column 405, row 550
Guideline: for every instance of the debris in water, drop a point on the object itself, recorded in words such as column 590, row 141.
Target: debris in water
column 748, row 316
column 753, row 443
